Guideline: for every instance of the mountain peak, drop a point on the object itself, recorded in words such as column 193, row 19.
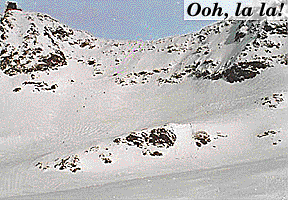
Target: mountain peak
column 32, row 42
column 11, row 5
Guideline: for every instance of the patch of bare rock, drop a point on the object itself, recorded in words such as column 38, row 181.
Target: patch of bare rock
column 270, row 134
column 69, row 163
column 202, row 138
column 272, row 101
column 162, row 137
column 136, row 78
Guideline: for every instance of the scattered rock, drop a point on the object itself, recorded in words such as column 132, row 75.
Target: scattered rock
column 117, row 140
column 220, row 135
column 271, row 134
column 106, row 158
column 202, row 138
column 271, row 102
column 267, row 133
column 70, row 162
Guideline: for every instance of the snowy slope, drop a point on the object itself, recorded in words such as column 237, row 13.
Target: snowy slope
column 78, row 111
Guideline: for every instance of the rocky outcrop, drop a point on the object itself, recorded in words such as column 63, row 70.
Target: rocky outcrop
column 201, row 138
column 162, row 137
column 69, row 163
column 41, row 86
column 272, row 102
column 271, row 135
column 17, row 89
column 159, row 137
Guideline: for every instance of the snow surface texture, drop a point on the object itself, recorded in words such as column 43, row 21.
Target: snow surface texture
column 201, row 115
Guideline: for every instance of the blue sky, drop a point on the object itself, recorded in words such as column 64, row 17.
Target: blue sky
column 118, row 19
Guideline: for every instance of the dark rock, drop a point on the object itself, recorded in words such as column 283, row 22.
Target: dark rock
column 107, row 160
column 156, row 153
column 203, row 141
column 117, row 140
column 202, row 137
column 132, row 137
column 53, row 87
column 198, row 144
column 91, row 62
column 156, row 71
column 75, row 169
column 16, row 89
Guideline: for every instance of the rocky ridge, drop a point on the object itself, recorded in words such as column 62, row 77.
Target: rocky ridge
column 35, row 42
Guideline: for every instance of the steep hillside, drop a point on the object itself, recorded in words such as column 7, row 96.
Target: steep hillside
column 34, row 42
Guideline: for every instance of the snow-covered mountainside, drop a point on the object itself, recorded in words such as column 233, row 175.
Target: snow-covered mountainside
column 78, row 111
column 34, row 42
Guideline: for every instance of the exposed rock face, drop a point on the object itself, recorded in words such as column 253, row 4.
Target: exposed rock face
column 253, row 36
column 18, row 89
column 201, row 138
column 162, row 138
column 159, row 137
column 241, row 71
column 41, row 86
column 41, row 43
column 272, row 102
column 53, row 60
column 30, row 46
column 150, row 142
column 106, row 158
column 92, row 149
column 271, row 135
column 267, row 133
column 68, row 163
